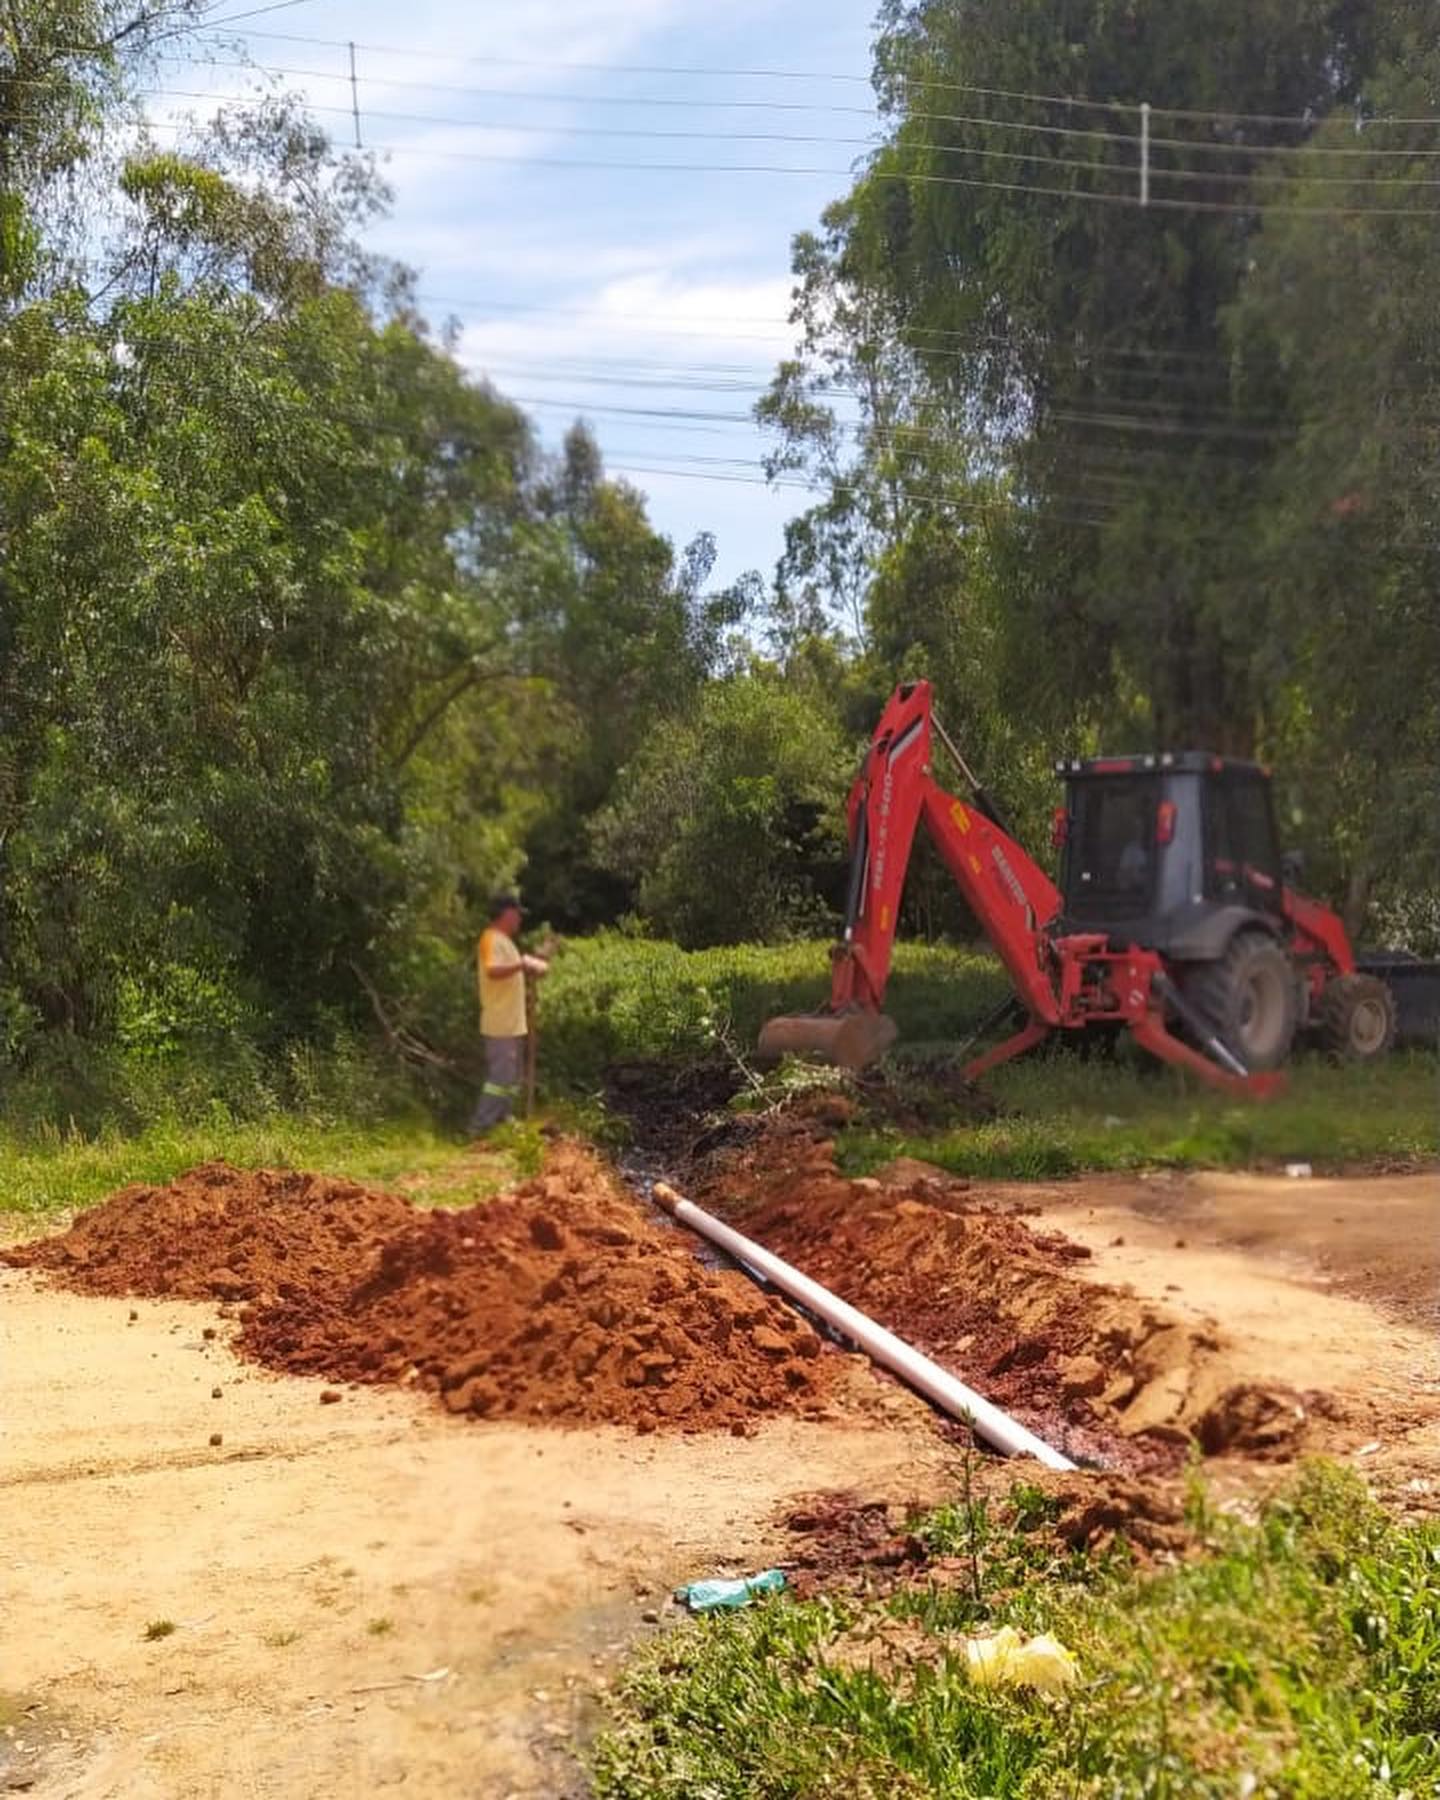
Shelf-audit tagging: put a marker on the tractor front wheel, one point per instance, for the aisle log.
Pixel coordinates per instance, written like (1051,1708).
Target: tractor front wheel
(1248,998)
(1357,1018)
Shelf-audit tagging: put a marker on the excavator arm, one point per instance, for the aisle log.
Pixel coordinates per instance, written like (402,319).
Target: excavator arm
(1011,897)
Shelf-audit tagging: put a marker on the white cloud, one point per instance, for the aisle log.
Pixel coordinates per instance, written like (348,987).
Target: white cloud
(574,30)
(657,313)
(632,298)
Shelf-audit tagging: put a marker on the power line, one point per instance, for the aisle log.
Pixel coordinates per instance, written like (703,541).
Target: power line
(1107,411)
(924,496)
(550,130)
(1139,414)
(192,353)
(254,13)
(782,333)
(691,104)
(1013,505)
(926,84)
(1111,419)
(964,502)
(1056,164)
(784,329)
(687,102)
(609,68)
(593,165)
(903,439)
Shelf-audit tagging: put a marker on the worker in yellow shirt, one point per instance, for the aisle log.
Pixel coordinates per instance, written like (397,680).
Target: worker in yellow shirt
(501,968)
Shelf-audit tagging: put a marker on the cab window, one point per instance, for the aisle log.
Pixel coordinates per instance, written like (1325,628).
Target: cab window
(1242,862)
(1112,846)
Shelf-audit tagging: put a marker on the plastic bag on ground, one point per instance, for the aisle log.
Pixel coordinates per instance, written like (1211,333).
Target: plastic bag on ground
(719,1594)
(1008,1660)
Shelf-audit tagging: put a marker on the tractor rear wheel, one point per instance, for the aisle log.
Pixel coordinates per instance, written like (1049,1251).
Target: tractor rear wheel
(1249,999)
(1357,1018)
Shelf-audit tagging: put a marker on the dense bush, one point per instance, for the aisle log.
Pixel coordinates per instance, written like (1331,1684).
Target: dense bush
(611,997)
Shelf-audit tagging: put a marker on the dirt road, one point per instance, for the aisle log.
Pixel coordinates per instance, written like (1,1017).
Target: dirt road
(1324,1283)
(1374,1237)
(320,1558)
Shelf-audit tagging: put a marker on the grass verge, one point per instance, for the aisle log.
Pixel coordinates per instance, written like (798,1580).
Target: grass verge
(1062,1115)
(612,997)
(46,1172)
(1297,1658)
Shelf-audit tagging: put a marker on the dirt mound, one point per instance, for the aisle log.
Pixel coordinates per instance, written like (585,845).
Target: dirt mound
(218,1233)
(1264,1422)
(1103,1375)
(561,1300)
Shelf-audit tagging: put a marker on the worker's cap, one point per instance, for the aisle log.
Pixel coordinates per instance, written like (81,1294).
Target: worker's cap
(503,903)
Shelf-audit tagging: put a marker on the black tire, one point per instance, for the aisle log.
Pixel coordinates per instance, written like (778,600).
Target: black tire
(1357,1018)
(1248,998)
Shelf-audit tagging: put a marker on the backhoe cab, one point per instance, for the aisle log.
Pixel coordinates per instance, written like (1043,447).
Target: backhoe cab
(1173,918)
(1178,854)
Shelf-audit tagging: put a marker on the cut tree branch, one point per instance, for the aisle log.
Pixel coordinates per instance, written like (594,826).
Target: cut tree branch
(404,1043)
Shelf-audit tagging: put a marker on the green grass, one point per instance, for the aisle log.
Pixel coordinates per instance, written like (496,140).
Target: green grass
(1063,1114)
(1296,1659)
(50,1171)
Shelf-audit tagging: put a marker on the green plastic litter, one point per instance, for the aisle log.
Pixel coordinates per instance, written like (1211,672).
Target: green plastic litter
(713,1596)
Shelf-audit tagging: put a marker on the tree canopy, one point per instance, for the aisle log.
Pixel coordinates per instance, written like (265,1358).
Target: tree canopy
(307,641)
(1156,476)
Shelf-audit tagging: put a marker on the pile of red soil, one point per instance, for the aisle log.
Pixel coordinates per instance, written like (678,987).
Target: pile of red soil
(560,1300)
(218,1233)
(1100,1374)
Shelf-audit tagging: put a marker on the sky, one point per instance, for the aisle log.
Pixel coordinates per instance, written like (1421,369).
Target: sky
(622,295)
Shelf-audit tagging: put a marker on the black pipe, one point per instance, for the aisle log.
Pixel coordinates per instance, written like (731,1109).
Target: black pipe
(858,857)
(1197,1027)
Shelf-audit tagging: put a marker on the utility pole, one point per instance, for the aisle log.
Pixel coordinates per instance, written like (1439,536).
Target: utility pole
(354,97)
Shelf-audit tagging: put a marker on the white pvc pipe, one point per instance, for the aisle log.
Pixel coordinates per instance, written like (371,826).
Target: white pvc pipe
(882,1346)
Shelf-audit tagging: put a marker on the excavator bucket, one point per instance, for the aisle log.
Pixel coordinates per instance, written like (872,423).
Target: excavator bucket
(851,1039)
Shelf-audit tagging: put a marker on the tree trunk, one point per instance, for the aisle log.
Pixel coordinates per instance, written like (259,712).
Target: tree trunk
(1357,897)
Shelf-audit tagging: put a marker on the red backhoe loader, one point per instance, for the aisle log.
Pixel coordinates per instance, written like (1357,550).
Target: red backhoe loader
(1173,919)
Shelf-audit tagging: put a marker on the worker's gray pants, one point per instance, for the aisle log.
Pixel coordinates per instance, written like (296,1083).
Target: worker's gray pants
(504,1064)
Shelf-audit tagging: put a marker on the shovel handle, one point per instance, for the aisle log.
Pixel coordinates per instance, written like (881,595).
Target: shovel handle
(532,1033)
